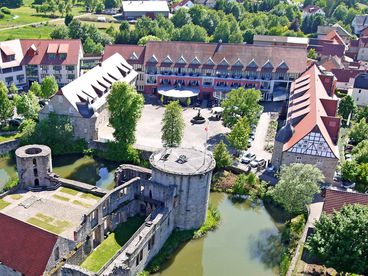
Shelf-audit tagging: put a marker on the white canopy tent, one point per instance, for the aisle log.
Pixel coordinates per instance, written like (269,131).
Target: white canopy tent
(176,92)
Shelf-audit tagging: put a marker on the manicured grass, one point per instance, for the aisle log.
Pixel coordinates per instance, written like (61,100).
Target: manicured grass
(69,191)
(80,203)
(16,197)
(3,204)
(61,197)
(48,223)
(27,32)
(90,196)
(5,138)
(112,244)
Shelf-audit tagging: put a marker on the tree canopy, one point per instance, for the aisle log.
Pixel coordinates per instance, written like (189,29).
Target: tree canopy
(125,106)
(49,87)
(222,156)
(241,103)
(239,135)
(6,106)
(359,131)
(172,130)
(297,185)
(347,106)
(27,105)
(340,240)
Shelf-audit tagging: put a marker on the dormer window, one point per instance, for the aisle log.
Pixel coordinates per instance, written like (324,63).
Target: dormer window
(181,60)
(224,62)
(210,61)
(167,59)
(195,61)
(252,64)
(267,65)
(52,56)
(133,56)
(62,56)
(238,63)
(153,59)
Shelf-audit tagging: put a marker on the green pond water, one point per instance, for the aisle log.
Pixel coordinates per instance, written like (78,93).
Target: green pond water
(86,169)
(247,242)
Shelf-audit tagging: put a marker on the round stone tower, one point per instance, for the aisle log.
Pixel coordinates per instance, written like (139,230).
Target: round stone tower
(190,170)
(33,166)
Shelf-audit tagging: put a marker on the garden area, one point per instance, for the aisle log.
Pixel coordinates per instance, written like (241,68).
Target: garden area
(108,248)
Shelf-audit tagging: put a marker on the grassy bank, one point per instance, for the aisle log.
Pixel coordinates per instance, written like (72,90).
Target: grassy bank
(107,249)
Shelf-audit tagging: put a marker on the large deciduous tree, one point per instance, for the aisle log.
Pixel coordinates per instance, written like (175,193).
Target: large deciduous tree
(222,155)
(340,240)
(241,103)
(6,106)
(347,106)
(49,87)
(27,105)
(239,135)
(359,131)
(125,106)
(297,185)
(173,125)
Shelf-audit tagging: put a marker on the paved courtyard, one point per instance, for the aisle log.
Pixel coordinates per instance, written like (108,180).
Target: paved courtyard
(148,134)
(59,211)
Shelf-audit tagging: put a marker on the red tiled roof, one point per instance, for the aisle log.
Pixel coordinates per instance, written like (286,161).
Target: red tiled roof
(315,114)
(335,37)
(311,9)
(23,247)
(126,51)
(181,4)
(44,46)
(336,199)
(294,57)
(344,75)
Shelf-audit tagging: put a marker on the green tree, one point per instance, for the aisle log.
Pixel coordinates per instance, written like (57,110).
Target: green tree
(48,87)
(100,7)
(13,89)
(349,171)
(360,152)
(236,37)
(297,185)
(222,156)
(339,240)
(181,18)
(143,40)
(359,131)
(222,32)
(27,105)
(239,135)
(109,4)
(6,106)
(90,47)
(172,130)
(36,89)
(241,103)
(60,32)
(347,106)
(312,54)
(125,106)
(68,19)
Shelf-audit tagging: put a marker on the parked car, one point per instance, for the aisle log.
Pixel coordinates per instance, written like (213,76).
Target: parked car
(258,163)
(252,136)
(348,185)
(270,168)
(16,122)
(247,158)
(337,176)
(348,157)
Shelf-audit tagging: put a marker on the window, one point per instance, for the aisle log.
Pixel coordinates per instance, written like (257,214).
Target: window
(298,159)
(20,78)
(52,56)
(70,77)
(70,67)
(7,70)
(63,56)
(51,108)
(17,68)
(57,67)
(9,80)
(60,99)
(70,110)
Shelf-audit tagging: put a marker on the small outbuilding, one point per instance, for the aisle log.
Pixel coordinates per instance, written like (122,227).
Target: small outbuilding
(360,90)
(134,9)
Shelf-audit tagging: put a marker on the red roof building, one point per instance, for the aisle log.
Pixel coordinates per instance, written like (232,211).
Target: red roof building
(311,131)
(336,199)
(23,247)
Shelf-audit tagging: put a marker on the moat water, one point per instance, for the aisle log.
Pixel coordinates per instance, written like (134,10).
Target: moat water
(247,241)
(86,169)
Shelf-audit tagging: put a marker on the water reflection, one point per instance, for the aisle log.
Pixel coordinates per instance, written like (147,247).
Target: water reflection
(7,170)
(246,243)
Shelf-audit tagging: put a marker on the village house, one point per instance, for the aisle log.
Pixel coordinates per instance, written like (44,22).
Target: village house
(24,61)
(186,4)
(312,10)
(211,70)
(84,100)
(311,130)
(360,22)
(324,30)
(132,10)
(360,89)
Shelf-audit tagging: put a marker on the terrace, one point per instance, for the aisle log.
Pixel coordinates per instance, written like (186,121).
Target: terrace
(59,211)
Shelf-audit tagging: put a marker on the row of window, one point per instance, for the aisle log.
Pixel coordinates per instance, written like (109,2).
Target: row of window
(10,80)
(11,69)
(57,67)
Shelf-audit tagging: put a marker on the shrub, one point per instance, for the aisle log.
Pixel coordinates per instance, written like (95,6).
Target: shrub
(5,10)
(120,152)
(212,220)
(1,15)
(11,183)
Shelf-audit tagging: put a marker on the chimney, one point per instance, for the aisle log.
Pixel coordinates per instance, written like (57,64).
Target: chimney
(329,83)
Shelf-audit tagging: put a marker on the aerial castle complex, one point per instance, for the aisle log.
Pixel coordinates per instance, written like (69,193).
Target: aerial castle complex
(173,195)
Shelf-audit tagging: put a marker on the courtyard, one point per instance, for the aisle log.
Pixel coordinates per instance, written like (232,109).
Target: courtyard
(59,211)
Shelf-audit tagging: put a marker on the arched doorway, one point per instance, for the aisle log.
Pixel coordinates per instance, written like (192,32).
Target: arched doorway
(36,182)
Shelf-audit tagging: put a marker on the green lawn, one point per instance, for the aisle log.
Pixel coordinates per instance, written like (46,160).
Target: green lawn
(63,198)
(80,203)
(49,223)
(90,196)
(43,31)
(69,191)
(107,249)
(16,197)
(3,204)
(5,138)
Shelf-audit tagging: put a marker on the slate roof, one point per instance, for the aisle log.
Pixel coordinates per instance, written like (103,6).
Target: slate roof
(361,81)
(312,109)
(344,75)
(24,247)
(294,57)
(71,47)
(336,199)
